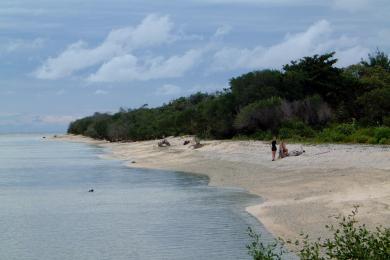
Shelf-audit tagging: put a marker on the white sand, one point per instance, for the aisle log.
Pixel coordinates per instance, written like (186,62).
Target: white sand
(300,193)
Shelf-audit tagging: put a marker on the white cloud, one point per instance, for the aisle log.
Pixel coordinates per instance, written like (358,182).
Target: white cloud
(317,39)
(128,67)
(101,92)
(351,56)
(223,30)
(14,45)
(168,90)
(153,30)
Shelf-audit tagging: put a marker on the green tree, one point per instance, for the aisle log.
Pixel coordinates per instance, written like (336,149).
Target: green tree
(255,86)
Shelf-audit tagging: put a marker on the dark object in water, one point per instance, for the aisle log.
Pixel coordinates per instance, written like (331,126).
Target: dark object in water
(91,190)
(132,161)
(186,142)
(43,137)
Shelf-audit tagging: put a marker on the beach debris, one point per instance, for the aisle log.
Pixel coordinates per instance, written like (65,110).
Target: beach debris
(296,153)
(196,143)
(163,143)
(132,161)
(91,190)
(186,142)
(291,153)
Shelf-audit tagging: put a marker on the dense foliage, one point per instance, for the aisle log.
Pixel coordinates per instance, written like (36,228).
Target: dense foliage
(308,98)
(348,240)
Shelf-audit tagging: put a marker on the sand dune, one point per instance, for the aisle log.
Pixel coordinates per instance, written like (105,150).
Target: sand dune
(300,193)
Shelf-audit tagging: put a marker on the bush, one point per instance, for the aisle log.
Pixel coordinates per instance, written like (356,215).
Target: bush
(346,129)
(348,241)
(295,130)
(382,135)
(260,251)
(312,110)
(330,135)
(361,139)
(264,114)
(262,135)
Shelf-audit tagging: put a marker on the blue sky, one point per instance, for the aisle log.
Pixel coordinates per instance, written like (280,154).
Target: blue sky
(61,60)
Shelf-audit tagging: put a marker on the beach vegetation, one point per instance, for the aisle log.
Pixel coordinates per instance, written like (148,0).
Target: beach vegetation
(310,99)
(348,240)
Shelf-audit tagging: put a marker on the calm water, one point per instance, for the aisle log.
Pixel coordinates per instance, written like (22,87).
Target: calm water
(47,213)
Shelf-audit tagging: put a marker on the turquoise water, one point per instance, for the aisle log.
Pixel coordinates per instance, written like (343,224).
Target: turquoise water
(48,213)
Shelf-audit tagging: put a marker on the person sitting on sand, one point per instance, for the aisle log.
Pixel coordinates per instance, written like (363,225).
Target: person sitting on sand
(273,148)
(196,142)
(283,151)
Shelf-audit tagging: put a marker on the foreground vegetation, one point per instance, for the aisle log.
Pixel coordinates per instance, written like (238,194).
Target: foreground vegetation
(348,241)
(309,99)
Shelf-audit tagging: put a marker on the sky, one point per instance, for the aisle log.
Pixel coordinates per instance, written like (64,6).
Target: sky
(62,60)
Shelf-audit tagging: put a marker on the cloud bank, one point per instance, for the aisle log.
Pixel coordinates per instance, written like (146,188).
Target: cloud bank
(129,67)
(119,57)
(317,39)
(153,30)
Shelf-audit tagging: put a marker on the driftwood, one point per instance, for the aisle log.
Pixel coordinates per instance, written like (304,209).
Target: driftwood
(291,153)
(163,143)
(296,152)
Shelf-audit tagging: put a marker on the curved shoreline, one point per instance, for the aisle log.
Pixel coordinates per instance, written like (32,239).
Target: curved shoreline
(298,193)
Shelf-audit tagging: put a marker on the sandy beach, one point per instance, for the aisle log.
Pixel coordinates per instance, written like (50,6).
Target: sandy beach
(300,193)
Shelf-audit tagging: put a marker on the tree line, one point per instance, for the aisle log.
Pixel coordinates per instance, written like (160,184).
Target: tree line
(309,98)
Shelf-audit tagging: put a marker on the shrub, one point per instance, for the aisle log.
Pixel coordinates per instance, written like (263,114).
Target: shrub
(382,134)
(361,139)
(260,251)
(348,240)
(331,135)
(312,110)
(346,129)
(262,135)
(295,129)
(91,132)
(264,114)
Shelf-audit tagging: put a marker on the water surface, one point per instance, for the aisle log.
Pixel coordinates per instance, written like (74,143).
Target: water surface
(48,213)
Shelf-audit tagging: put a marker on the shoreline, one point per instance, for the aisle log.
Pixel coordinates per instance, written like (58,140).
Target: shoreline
(299,194)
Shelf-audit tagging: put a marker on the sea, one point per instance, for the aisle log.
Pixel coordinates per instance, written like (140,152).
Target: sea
(47,211)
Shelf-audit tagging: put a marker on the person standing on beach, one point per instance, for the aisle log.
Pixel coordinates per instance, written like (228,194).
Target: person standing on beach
(273,148)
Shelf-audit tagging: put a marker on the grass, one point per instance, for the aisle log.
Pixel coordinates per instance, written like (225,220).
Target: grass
(338,133)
